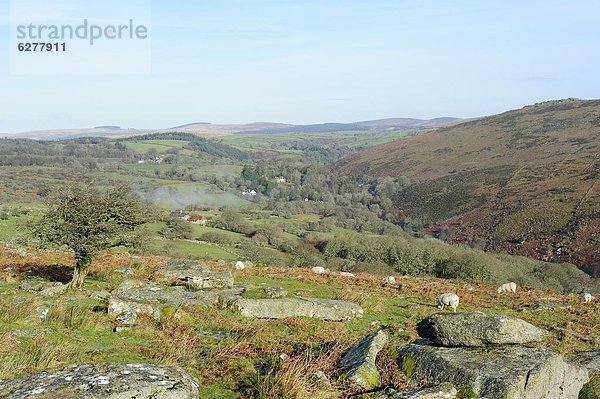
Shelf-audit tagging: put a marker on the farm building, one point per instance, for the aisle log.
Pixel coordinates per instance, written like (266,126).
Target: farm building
(198,219)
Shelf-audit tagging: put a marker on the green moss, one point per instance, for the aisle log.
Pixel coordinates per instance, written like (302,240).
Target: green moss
(591,390)
(408,366)
(371,378)
(465,393)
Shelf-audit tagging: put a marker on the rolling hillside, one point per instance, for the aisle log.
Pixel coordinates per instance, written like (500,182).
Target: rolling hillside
(210,130)
(526,181)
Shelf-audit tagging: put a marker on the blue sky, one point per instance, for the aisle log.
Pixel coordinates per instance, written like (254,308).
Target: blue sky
(309,61)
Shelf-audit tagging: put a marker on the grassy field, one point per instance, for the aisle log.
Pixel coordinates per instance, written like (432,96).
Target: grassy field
(161,146)
(284,143)
(236,357)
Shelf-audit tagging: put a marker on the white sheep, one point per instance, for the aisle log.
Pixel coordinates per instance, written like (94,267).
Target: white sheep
(586,297)
(239,265)
(448,299)
(347,274)
(507,287)
(319,270)
(389,280)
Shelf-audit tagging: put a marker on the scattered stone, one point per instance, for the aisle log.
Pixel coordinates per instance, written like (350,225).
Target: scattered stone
(283,357)
(145,297)
(44,287)
(276,292)
(375,323)
(324,309)
(127,319)
(507,372)
(319,270)
(104,381)
(347,274)
(548,306)
(471,289)
(193,274)
(390,280)
(30,333)
(42,312)
(359,362)
(218,335)
(477,329)
(124,270)
(442,391)
(100,295)
(322,378)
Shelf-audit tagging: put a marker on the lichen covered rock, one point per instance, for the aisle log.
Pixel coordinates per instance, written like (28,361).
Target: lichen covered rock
(477,329)
(359,362)
(104,381)
(324,309)
(192,274)
(504,372)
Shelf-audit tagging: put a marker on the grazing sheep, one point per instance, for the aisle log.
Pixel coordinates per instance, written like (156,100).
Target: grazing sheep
(239,265)
(318,269)
(586,297)
(448,299)
(347,274)
(389,280)
(507,287)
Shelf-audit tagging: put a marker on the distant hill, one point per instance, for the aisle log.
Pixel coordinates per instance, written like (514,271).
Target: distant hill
(390,123)
(526,181)
(206,129)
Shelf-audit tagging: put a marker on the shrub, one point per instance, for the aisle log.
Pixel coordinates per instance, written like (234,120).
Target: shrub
(217,238)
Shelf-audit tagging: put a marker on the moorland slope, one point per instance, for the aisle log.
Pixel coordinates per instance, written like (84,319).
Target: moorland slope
(525,180)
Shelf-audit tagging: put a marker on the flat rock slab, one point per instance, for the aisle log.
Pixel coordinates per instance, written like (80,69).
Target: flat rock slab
(324,309)
(359,361)
(146,297)
(506,372)
(192,274)
(477,329)
(104,381)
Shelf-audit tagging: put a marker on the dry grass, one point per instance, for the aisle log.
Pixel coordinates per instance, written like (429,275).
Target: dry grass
(294,378)
(246,362)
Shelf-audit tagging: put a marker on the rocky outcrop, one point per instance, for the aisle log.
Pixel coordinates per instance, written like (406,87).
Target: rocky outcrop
(324,309)
(104,381)
(192,274)
(43,287)
(359,362)
(145,297)
(591,361)
(477,329)
(442,391)
(503,372)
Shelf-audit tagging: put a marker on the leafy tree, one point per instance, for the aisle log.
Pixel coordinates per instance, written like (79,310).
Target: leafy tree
(177,229)
(89,220)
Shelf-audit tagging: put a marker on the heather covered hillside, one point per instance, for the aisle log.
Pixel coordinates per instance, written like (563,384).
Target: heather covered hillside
(525,181)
